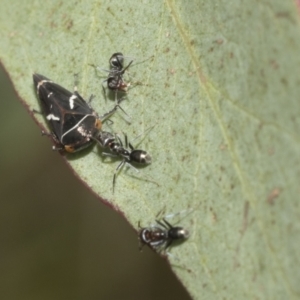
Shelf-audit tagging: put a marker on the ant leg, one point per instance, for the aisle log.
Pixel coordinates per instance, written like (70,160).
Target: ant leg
(167,223)
(163,224)
(103,89)
(98,68)
(126,141)
(184,212)
(161,213)
(117,105)
(119,140)
(141,134)
(124,69)
(90,99)
(115,173)
(109,154)
(131,166)
(111,112)
(139,225)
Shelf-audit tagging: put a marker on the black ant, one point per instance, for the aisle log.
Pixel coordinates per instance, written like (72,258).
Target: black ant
(159,237)
(115,81)
(128,153)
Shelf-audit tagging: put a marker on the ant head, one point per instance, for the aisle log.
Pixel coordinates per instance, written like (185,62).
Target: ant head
(116,60)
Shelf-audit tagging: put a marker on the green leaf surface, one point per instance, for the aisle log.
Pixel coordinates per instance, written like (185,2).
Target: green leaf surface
(222,90)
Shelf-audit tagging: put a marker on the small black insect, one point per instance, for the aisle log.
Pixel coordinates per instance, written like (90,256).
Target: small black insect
(115,81)
(160,237)
(73,121)
(128,153)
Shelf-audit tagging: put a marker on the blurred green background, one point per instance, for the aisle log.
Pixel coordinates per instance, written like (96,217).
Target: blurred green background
(57,241)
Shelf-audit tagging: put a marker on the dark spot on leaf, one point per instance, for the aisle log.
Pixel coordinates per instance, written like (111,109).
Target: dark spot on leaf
(53,25)
(214,215)
(70,24)
(274,64)
(283,14)
(284,81)
(273,195)
(219,41)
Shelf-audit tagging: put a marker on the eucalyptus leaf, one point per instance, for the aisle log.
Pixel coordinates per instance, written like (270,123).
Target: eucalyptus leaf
(221,88)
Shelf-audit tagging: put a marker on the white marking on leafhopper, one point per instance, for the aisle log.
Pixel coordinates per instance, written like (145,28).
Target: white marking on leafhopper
(52,117)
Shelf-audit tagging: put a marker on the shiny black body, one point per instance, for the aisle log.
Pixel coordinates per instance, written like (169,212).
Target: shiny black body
(73,121)
(161,236)
(115,80)
(128,153)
